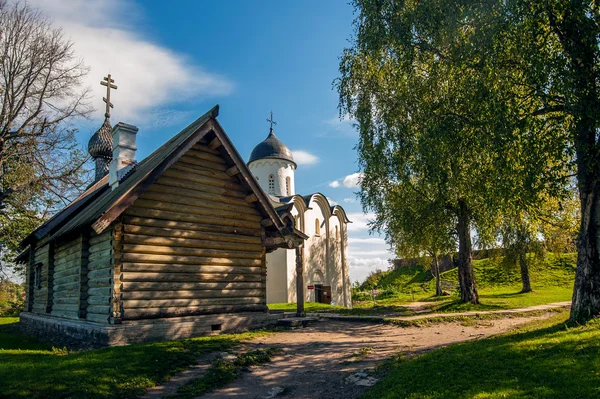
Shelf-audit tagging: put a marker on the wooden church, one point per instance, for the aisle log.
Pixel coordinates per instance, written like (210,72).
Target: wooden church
(169,247)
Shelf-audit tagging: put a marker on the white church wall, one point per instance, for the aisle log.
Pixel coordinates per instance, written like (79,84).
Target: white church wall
(282,173)
(335,263)
(315,252)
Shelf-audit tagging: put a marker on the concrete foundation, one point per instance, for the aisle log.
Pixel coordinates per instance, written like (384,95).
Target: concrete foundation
(87,334)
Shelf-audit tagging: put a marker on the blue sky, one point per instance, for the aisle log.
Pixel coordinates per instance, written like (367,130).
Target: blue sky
(173,63)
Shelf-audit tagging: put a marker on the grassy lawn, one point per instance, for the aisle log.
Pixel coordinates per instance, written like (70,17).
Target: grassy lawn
(545,359)
(33,370)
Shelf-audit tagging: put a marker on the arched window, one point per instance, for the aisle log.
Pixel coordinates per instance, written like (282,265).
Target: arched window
(317,227)
(336,233)
(271,185)
(287,185)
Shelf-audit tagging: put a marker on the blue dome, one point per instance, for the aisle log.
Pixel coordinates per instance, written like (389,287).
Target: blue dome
(271,147)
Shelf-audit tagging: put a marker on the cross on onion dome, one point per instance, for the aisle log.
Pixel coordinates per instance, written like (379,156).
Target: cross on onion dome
(108,82)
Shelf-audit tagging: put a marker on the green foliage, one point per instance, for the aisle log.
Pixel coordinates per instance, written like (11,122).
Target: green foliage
(12,298)
(545,359)
(33,370)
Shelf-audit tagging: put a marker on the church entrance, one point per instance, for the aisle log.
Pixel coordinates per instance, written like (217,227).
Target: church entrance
(322,293)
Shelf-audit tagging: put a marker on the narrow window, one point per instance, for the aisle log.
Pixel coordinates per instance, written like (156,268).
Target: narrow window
(271,185)
(336,233)
(317,227)
(287,185)
(37,277)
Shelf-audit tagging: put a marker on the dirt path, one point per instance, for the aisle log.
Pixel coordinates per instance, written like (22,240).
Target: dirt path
(328,359)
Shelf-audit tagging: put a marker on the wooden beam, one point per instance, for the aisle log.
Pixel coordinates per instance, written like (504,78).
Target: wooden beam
(266,222)
(251,198)
(299,282)
(232,171)
(214,144)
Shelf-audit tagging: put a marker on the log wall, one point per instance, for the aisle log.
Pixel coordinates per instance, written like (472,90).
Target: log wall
(100,277)
(40,293)
(66,278)
(192,244)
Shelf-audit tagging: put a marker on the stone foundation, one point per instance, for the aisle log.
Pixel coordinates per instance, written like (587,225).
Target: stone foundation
(73,333)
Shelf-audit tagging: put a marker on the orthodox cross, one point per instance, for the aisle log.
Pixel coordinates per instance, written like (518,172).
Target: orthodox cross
(108,82)
(270,120)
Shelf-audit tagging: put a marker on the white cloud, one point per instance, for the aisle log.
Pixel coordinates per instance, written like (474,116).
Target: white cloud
(366,254)
(150,78)
(304,158)
(332,202)
(368,240)
(359,221)
(347,200)
(353,180)
(336,127)
(334,184)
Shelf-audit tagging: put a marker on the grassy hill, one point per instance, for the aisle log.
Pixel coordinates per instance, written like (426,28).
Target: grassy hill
(499,286)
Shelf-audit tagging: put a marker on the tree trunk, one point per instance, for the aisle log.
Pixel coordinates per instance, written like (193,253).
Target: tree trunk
(586,293)
(524,272)
(436,273)
(466,278)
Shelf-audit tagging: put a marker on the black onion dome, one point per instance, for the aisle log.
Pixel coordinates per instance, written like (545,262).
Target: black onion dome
(100,144)
(272,148)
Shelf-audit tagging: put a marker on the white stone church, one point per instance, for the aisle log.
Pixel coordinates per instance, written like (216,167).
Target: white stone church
(326,277)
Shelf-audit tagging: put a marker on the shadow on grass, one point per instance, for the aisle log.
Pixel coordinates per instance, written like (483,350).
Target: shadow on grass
(458,306)
(553,361)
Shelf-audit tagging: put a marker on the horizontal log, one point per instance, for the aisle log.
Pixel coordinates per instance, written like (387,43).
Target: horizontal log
(170,268)
(147,211)
(251,198)
(62,293)
(191,235)
(132,257)
(73,300)
(153,313)
(99,309)
(203,146)
(228,184)
(232,171)
(67,279)
(191,243)
(174,203)
(64,307)
(204,163)
(100,273)
(60,259)
(171,303)
(103,291)
(67,272)
(101,246)
(100,282)
(198,198)
(191,294)
(189,277)
(200,188)
(195,227)
(195,190)
(72,248)
(100,264)
(66,314)
(99,300)
(106,254)
(73,286)
(100,238)
(168,286)
(205,155)
(214,144)
(201,170)
(97,318)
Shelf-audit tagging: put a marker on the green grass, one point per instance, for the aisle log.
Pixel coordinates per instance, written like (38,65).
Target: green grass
(308,307)
(545,359)
(29,369)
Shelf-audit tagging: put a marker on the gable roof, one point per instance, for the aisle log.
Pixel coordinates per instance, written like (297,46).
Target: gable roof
(100,205)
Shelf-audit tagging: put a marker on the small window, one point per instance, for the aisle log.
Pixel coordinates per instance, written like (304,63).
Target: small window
(317,227)
(37,276)
(271,185)
(287,185)
(336,233)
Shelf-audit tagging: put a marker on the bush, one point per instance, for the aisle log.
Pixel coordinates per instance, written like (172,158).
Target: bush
(12,299)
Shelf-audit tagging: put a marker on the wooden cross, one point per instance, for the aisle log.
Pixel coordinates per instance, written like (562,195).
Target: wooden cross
(271,120)
(109,85)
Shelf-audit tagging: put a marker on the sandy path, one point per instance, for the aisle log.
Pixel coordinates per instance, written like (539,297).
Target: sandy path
(320,361)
